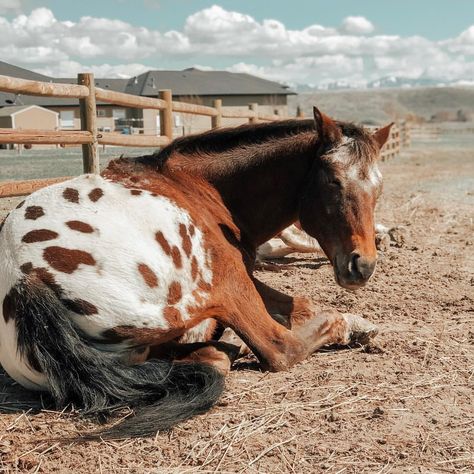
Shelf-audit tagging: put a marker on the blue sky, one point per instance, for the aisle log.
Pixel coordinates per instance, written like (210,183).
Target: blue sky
(299,41)
(433,19)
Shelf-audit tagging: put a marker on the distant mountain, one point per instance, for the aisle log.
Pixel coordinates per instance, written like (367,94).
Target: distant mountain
(381,104)
(387,82)
(402,82)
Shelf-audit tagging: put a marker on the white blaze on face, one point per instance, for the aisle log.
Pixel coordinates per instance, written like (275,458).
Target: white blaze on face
(354,173)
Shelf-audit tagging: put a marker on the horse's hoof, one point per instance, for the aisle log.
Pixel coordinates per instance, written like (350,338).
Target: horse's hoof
(360,331)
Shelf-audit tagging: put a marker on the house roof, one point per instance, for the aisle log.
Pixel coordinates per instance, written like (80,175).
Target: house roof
(16,109)
(196,82)
(188,82)
(7,69)
(8,99)
(117,85)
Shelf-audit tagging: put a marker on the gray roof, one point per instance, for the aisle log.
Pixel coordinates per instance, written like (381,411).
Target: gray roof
(16,71)
(117,85)
(188,82)
(196,82)
(7,99)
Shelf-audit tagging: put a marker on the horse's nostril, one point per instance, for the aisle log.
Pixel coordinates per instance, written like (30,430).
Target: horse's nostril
(353,265)
(361,267)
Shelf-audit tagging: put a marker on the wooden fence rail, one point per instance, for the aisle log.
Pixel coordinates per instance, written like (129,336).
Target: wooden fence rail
(89,137)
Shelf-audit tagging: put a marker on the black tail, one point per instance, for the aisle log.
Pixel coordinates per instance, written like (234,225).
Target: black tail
(161,393)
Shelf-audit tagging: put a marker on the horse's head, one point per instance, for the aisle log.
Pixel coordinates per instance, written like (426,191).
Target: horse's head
(337,206)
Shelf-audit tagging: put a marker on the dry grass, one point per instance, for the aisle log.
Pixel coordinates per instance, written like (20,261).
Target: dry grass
(404,404)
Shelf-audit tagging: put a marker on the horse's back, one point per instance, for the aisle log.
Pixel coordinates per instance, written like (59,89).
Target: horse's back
(114,257)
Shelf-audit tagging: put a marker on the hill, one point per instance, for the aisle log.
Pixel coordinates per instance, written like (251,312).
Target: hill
(380,105)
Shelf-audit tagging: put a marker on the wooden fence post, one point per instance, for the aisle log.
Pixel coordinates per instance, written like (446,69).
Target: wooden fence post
(166,115)
(254,107)
(299,112)
(216,121)
(90,152)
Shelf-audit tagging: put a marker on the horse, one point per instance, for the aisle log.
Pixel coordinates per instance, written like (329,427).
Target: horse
(115,287)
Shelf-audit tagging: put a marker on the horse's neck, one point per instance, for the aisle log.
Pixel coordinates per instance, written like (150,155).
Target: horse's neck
(263,196)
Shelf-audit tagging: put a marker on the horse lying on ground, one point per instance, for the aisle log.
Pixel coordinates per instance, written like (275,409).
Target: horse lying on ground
(114,287)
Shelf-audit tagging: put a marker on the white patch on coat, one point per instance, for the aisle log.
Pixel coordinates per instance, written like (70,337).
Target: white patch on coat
(342,154)
(124,236)
(197,333)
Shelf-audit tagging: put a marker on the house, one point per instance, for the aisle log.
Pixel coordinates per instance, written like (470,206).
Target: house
(67,108)
(28,117)
(192,85)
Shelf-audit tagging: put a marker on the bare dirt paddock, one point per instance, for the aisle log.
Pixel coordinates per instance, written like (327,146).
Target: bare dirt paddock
(405,404)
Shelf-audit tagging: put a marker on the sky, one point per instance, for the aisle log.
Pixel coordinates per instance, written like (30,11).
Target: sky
(312,42)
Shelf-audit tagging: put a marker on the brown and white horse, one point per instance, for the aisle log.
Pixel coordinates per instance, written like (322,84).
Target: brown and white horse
(114,287)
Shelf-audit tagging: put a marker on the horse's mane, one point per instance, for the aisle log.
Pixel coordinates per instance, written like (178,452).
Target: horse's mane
(251,140)
(225,139)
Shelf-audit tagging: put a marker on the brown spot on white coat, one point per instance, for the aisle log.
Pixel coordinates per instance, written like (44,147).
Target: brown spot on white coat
(95,194)
(34,212)
(39,235)
(71,195)
(161,239)
(148,275)
(175,293)
(79,306)
(80,226)
(176,256)
(67,260)
(186,240)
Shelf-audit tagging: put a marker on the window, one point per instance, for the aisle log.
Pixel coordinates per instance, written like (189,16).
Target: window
(101,113)
(118,114)
(66,118)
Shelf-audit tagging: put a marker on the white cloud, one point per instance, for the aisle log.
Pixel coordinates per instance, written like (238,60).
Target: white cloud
(357,25)
(70,69)
(9,6)
(316,54)
(463,44)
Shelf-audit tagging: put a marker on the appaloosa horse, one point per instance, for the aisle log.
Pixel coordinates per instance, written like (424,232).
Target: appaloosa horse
(113,286)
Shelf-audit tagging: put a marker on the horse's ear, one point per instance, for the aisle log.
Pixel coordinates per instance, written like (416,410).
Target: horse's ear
(382,134)
(326,128)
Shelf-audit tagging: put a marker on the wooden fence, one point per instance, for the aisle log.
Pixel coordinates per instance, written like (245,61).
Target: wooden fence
(90,138)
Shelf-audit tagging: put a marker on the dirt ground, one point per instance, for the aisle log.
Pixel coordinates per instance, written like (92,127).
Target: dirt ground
(403,405)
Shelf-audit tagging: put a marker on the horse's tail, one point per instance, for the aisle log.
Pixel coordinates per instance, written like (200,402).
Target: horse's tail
(161,393)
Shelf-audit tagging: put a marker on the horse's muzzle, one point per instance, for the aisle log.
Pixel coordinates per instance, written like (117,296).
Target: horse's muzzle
(354,270)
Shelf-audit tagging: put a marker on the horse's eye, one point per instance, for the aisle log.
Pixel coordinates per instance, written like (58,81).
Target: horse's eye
(336,183)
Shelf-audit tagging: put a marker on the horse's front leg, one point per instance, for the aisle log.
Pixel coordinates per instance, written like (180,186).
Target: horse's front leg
(335,328)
